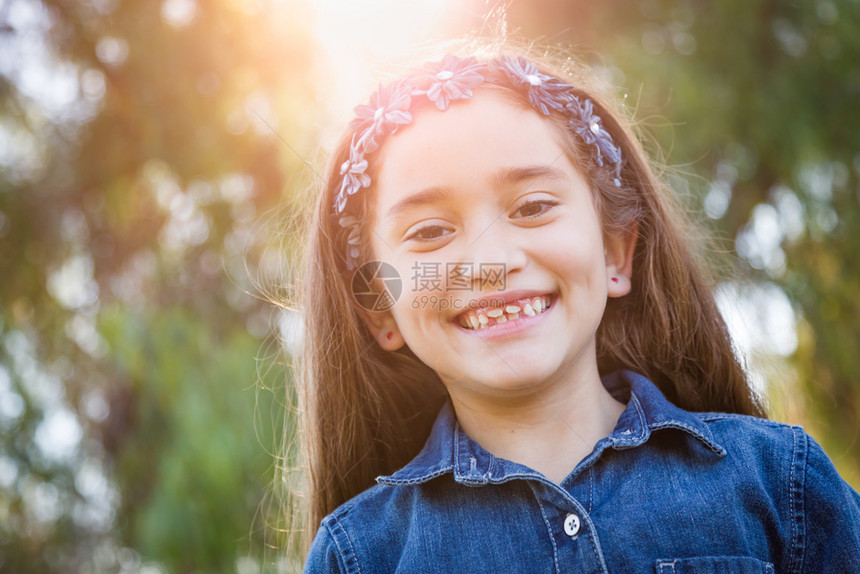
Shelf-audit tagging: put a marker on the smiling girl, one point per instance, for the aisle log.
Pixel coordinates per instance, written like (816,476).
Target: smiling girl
(554,389)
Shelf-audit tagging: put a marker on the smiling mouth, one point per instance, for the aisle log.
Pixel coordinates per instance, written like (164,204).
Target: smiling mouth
(485,318)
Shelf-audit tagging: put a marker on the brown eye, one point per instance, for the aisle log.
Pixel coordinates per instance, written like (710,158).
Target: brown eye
(428,233)
(534,208)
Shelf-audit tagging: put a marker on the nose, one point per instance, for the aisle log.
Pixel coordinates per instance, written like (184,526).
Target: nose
(489,256)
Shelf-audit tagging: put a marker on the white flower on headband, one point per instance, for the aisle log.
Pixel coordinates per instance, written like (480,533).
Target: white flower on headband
(450,79)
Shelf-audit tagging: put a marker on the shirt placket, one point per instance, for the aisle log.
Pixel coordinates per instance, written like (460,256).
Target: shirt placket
(576,545)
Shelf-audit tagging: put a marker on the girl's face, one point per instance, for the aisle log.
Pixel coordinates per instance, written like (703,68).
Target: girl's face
(479,205)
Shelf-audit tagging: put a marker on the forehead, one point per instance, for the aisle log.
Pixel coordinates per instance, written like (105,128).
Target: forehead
(472,139)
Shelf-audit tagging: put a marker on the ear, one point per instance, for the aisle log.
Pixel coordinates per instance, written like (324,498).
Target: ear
(384,329)
(619,251)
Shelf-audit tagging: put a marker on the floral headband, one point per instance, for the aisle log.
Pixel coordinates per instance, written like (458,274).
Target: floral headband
(443,82)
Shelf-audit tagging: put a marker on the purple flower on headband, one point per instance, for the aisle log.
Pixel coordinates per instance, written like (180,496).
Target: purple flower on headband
(388,108)
(354,177)
(544,91)
(451,79)
(446,81)
(589,128)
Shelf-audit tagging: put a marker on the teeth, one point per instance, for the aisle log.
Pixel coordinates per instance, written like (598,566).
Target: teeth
(480,318)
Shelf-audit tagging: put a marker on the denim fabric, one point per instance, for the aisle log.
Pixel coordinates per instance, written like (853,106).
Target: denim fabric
(669,491)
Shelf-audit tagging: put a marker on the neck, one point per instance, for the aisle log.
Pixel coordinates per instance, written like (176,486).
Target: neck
(550,431)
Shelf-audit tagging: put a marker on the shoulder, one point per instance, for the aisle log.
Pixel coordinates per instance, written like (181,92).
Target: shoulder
(756,458)
(367,525)
(749,434)
(785,457)
(782,453)
(333,548)
(370,529)
(753,437)
(817,503)
(379,503)
(373,506)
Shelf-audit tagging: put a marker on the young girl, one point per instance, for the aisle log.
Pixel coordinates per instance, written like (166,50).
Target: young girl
(513,363)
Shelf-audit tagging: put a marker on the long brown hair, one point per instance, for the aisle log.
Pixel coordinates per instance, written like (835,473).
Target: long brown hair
(366,411)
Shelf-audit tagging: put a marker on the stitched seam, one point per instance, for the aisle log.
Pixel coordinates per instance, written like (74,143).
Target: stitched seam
(594,543)
(344,555)
(579,509)
(791,512)
(629,442)
(590,489)
(514,476)
(548,528)
(711,444)
(712,417)
(456,448)
(417,480)
(797,491)
(641,414)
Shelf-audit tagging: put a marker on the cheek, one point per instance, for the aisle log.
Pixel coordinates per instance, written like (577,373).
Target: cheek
(577,258)
(421,294)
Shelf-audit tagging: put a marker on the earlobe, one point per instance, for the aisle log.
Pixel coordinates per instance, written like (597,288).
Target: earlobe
(384,329)
(390,339)
(619,261)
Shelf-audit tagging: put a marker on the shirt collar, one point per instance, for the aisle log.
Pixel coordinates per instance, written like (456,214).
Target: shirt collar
(449,449)
(648,410)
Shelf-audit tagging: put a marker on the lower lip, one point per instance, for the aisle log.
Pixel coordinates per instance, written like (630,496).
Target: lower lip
(511,326)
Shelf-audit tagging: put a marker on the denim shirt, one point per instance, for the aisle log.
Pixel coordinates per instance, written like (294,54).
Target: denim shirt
(668,491)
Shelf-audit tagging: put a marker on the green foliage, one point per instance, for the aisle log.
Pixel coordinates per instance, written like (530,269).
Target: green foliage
(198,474)
(132,429)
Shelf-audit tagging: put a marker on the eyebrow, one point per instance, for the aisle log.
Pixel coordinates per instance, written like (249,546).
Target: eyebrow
(504,177)
(423,197)
(512,175)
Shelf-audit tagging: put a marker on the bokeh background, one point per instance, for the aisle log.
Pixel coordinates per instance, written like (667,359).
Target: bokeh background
(150,152)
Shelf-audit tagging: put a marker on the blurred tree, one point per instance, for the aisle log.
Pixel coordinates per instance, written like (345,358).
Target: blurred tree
(758,104)
(137,153)
(187,492)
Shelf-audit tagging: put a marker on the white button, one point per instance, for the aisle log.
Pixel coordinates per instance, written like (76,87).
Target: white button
(571,525)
